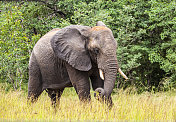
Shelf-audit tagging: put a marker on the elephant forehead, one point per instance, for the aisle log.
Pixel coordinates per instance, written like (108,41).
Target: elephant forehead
(98,28)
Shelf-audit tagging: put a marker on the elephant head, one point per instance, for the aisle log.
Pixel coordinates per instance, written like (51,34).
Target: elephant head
(83,46)
(102,48)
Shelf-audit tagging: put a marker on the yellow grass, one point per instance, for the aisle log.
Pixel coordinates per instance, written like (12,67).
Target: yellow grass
(160,106)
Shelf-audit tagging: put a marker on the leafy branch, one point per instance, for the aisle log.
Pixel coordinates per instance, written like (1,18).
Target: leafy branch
(53,7)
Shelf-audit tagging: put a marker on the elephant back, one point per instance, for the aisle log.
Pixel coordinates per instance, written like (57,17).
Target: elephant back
(43,50)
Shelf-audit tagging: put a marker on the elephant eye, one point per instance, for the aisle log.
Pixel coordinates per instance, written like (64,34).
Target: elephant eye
(96,51)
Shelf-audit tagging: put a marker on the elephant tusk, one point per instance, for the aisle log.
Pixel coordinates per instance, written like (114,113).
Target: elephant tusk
(101,74)
(120,71)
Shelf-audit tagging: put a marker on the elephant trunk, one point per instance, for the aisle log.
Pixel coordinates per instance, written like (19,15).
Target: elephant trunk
(110,76)
(108,73)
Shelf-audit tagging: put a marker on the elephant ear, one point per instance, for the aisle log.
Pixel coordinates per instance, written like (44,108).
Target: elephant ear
(69,45)
(100,23)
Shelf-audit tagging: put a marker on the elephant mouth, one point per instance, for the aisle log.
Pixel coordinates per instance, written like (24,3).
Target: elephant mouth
(100,91)
(119,70)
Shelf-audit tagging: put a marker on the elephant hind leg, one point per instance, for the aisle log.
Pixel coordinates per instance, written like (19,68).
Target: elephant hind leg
(52,95)
(33,97)
(35,80)
(55,96)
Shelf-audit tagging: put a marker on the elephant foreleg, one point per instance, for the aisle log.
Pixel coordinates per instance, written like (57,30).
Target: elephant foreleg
(80,81)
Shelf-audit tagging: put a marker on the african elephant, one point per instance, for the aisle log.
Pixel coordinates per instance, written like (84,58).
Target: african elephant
(69,57)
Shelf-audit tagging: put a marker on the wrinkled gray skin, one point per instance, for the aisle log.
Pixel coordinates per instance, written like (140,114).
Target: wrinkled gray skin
(69,57)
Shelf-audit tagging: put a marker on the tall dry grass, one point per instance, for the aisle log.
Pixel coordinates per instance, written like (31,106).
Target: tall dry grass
(147,106)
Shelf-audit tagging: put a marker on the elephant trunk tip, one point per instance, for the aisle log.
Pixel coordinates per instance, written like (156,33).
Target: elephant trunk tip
(100,92)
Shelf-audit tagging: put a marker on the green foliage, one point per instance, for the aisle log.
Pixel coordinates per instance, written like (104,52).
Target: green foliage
(163,26)
(146,38)
(15,47)
(145,32)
